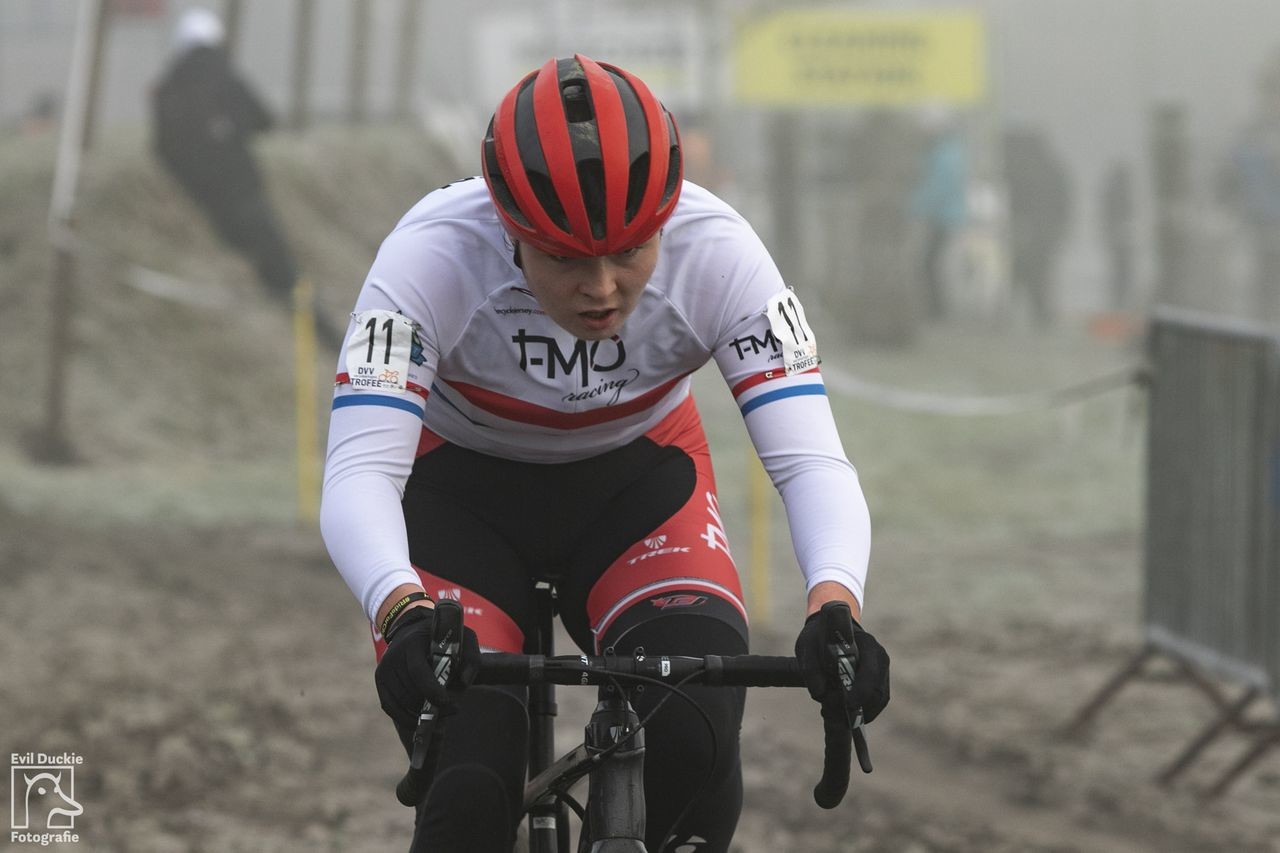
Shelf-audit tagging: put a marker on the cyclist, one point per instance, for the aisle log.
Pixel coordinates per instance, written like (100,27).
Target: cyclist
(513,403)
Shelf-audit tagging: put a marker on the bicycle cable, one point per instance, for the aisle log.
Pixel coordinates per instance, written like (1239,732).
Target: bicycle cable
(672,689)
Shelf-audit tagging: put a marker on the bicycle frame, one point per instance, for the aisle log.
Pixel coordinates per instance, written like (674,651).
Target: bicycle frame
(615,793)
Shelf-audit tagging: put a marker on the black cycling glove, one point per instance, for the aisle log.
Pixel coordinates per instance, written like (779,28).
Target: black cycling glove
(406,677)
(870,689)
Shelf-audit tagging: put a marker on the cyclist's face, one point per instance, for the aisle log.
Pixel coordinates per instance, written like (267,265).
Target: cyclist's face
(589,297)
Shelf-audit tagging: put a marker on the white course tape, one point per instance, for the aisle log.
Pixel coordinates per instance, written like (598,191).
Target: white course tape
(844,384)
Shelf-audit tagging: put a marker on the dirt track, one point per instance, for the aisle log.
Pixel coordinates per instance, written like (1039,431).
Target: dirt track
(218,687)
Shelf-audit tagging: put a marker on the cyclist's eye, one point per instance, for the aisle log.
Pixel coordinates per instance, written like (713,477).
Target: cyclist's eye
(629,253)
(560,259)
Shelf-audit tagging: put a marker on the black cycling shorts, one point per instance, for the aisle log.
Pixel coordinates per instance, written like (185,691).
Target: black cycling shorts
(627,537)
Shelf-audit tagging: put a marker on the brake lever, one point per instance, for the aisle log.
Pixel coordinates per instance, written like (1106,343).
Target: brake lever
(446,643)
(845,653)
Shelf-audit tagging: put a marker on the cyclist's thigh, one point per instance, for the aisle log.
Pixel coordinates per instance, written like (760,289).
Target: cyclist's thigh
(677,562)
(460,549)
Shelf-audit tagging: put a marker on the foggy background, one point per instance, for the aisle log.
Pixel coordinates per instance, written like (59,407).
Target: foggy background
(1085,73)
(161,436)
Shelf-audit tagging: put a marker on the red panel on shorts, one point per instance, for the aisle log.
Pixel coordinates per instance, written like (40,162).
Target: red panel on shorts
(495,630)
(688,551)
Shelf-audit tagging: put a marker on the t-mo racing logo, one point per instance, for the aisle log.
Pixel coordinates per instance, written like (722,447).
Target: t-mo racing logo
(597,356)
(42,802)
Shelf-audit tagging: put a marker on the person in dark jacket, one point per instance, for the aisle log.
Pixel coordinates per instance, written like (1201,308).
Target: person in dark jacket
(205,118)
(1040,203)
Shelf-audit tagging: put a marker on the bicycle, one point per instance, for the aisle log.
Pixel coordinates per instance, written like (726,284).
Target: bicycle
(611,755)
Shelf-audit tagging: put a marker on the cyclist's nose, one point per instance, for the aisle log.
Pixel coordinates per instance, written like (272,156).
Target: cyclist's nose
(598,279)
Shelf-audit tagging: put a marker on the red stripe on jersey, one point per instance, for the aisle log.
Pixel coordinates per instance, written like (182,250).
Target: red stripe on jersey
(682,427)
(345,378)
(514,409)
(755,379)
(427,442)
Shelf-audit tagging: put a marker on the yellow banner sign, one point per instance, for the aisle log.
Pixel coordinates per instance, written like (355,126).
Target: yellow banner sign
(846,57)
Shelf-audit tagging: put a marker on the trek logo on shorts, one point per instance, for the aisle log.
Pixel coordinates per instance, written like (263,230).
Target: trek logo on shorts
(656,546)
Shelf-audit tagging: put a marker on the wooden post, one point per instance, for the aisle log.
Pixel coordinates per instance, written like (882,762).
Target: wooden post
(784,189)
(1171,183)
(231,18)
(303,35)
(406,59)
(358,61)
(305,429)
(761,556)
(50,442)
(94,83)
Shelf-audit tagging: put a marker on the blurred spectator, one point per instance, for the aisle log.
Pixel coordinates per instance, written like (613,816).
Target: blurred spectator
(205,117)
(1253,190)
(1119,233)
(1039,211)
(41,117)
(940,201)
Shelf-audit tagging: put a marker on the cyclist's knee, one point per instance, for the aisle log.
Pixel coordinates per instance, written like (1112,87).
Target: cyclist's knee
(679,734)
(468,809)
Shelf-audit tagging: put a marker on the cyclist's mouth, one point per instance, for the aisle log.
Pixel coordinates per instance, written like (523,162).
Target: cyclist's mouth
(598,319)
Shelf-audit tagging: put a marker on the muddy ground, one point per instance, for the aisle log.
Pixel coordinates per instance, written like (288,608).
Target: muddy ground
(167,617)
(217,684)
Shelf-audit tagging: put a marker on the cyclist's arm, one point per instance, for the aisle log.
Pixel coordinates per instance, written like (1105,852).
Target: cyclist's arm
(826,591)
(374,431)
(794,433)
(373,438)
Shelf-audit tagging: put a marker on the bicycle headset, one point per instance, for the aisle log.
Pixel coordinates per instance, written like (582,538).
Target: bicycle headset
(581,159)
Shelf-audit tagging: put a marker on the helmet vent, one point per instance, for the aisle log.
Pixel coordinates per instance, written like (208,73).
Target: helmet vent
(577,103)
(591,180)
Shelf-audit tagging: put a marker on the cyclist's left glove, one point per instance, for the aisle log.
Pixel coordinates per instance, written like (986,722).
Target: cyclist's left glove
(870,689)
(405,676)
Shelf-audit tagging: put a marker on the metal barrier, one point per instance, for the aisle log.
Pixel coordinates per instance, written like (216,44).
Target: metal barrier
(1212,552)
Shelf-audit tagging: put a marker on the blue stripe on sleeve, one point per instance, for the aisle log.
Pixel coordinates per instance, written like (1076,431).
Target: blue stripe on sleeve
(377,400)
(793,391)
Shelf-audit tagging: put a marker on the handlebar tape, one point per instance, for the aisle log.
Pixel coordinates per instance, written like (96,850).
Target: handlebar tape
(836,755)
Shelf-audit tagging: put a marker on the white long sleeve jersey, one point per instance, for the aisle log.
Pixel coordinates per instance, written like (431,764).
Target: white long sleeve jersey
(446,335)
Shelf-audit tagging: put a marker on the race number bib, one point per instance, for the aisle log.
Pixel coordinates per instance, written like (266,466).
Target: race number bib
(379,350)
(791,331)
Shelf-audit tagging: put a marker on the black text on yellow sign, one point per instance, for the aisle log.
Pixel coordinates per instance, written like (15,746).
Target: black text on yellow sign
(860,57)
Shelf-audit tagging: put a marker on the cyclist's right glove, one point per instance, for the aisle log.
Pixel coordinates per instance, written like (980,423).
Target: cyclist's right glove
(405,676)
(870,690)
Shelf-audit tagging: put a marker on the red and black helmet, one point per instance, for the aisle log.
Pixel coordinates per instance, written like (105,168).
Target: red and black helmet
(582,160)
